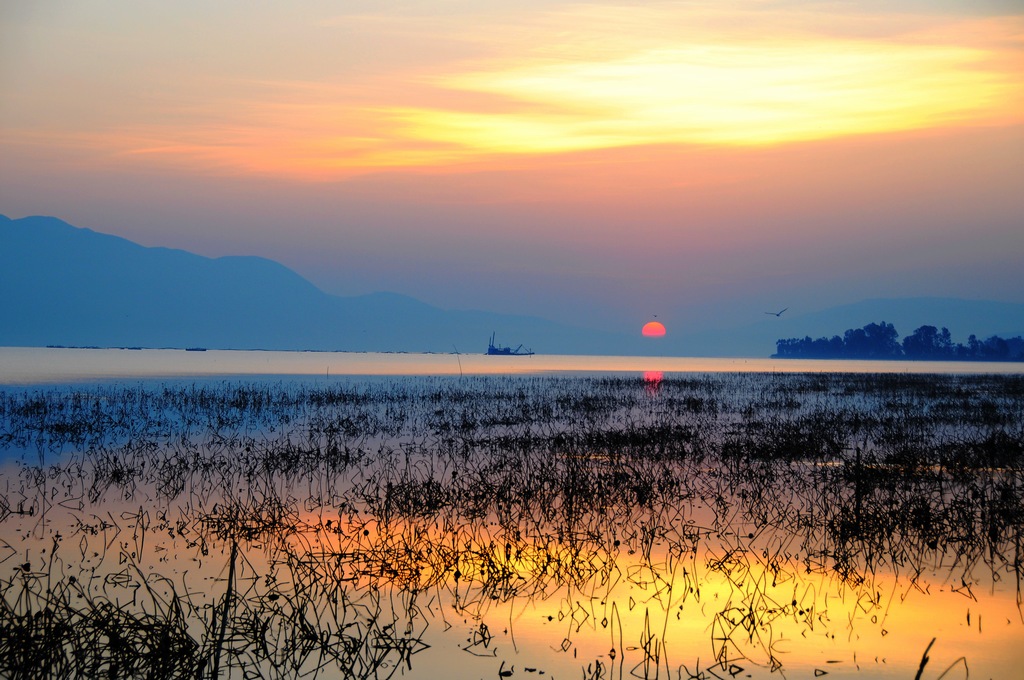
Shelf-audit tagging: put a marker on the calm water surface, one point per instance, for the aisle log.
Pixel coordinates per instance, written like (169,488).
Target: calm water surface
(491,517)
(31,365)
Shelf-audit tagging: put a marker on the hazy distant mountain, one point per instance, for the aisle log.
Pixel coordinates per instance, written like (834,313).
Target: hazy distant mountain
(63,285)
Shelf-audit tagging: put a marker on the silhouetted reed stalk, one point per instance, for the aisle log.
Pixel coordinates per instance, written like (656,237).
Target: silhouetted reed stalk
(339,510)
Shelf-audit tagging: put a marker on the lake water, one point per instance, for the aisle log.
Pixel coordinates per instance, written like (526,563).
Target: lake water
(53,365)
(379,516)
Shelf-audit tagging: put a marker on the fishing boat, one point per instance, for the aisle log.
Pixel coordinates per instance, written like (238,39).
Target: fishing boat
(498,350)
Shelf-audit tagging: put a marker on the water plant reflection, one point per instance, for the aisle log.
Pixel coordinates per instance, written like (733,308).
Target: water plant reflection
(754,522)
(652,380)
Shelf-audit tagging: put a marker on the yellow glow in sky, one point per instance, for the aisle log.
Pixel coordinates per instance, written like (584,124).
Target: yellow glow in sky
(740,94)
(326,96)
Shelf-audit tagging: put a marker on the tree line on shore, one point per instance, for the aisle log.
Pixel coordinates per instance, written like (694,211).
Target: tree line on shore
(881,341)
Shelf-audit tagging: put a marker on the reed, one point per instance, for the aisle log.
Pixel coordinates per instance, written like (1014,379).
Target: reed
(283,528)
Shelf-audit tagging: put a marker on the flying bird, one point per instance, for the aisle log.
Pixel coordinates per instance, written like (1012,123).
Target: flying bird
(777,313)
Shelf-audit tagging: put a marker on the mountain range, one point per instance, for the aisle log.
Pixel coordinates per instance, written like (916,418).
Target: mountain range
(70,286)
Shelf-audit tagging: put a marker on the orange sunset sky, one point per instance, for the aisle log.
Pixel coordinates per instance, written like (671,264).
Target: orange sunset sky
(594,163)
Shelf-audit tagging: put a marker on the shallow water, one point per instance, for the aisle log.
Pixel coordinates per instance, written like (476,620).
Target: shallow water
(713,525)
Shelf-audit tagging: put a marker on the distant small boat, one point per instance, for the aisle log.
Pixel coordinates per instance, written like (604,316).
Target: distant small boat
(195,349)
(498,350)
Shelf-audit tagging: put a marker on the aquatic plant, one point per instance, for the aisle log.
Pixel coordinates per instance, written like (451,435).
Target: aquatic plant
(292,527)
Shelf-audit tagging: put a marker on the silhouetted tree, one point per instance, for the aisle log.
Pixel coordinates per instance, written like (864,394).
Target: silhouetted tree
(972,350)
(874,341)
(879,341)
(882,341)
(995,349)
(928,342)
(805,348)
(1016,347)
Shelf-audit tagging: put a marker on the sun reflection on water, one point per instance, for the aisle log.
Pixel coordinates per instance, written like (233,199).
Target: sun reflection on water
(564,525)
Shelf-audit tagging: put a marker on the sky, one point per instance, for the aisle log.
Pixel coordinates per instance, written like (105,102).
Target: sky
(593,163)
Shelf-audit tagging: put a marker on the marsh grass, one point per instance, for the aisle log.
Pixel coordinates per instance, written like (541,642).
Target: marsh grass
(292,528)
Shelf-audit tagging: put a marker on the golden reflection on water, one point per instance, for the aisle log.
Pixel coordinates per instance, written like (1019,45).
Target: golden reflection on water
(638,609)
(46,365)
(643,608)
(731,565)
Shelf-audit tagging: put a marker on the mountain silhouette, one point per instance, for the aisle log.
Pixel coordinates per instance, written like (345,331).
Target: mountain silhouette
(64,285)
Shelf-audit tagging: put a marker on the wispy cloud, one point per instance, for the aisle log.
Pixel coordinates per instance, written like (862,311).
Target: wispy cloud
(569,79)
(744,94)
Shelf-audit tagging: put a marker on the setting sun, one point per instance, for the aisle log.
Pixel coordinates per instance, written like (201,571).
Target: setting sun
(653,329)
(356,283)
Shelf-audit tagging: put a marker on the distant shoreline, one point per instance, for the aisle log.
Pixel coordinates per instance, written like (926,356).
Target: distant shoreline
(878,342)
(229,349)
